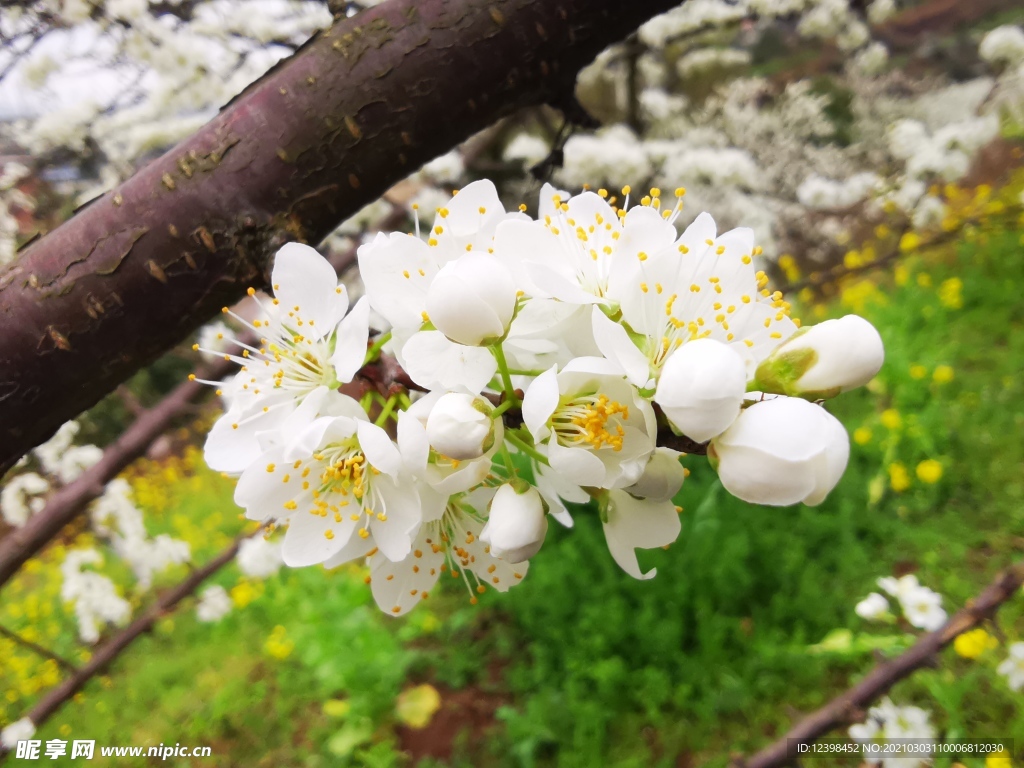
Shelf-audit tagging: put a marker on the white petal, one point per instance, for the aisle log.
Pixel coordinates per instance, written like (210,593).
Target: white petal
(412,442)
(402,507)
(384,265)
(615,344)
(635,523)
(378,448)
(306,542)
(350,348)
(577,465)
(305,279)
(434,362)
(231,449)
(398,587)
(540,402)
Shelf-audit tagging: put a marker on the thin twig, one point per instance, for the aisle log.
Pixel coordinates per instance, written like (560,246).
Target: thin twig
(38,649)
(884,676)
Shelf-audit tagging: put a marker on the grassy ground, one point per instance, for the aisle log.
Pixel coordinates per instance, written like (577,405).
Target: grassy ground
(581,665)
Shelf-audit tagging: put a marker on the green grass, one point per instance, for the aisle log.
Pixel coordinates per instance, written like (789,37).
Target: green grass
(593,668)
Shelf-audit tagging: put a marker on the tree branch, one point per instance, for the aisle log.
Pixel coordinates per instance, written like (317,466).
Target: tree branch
(838,711)
(37,649)
(356,109)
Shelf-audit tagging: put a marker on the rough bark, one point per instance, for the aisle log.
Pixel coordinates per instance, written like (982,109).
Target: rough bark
(359,107)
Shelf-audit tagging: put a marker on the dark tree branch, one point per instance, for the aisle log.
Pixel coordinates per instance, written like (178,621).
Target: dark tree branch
(838,712)
(357,108)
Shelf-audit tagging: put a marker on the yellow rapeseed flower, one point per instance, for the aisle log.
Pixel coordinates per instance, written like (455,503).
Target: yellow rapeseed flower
(918,371)
(972,644)
(942,374)
(929,471)
(924,279)
(899,479)
(862,435)
(1000,759)
(910,241)
(951,293)
(891,419)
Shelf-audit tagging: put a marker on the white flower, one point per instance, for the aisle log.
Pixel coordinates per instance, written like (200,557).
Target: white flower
(527,149)
(920,605)
(577,250)
(701,388)
(701,286)
(873,607)
(881,11)
(259,557)
(1013,667)
(471,300)
(595,427)
(115,516)
(1003,45)
(20,499)
(922,608)
(451,543)
(662,478)
(460,426)
(398,271)
(886,723)
(823,360)
(307,342)
(20,730)
(781,452)
(94,596)
(630,523)
(338,480)
(516,524)
(214,604)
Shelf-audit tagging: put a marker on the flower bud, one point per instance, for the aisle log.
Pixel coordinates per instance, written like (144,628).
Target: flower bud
(781,452)
(472,299)
(460,426)
(517,524)
(823,360)
(662,478)
(701,388)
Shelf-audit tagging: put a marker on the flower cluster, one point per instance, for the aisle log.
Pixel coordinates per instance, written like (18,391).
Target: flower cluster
(921,606)
(542,359)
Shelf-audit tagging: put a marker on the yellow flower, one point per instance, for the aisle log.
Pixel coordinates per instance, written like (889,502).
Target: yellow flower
(924,279)
(972,644)
(951,293)
(910,242)
(278,645)
(929,471)
(891,419)
(918,371)
(862,435)
(901,275)
(899,479)
(942,374)
(1000,759)
(244,592)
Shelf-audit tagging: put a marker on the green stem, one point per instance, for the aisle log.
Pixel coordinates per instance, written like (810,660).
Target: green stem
(496,413)
(374,351)
(517,372)
(522,447)
(506,377)
(508,459)
(385,413)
